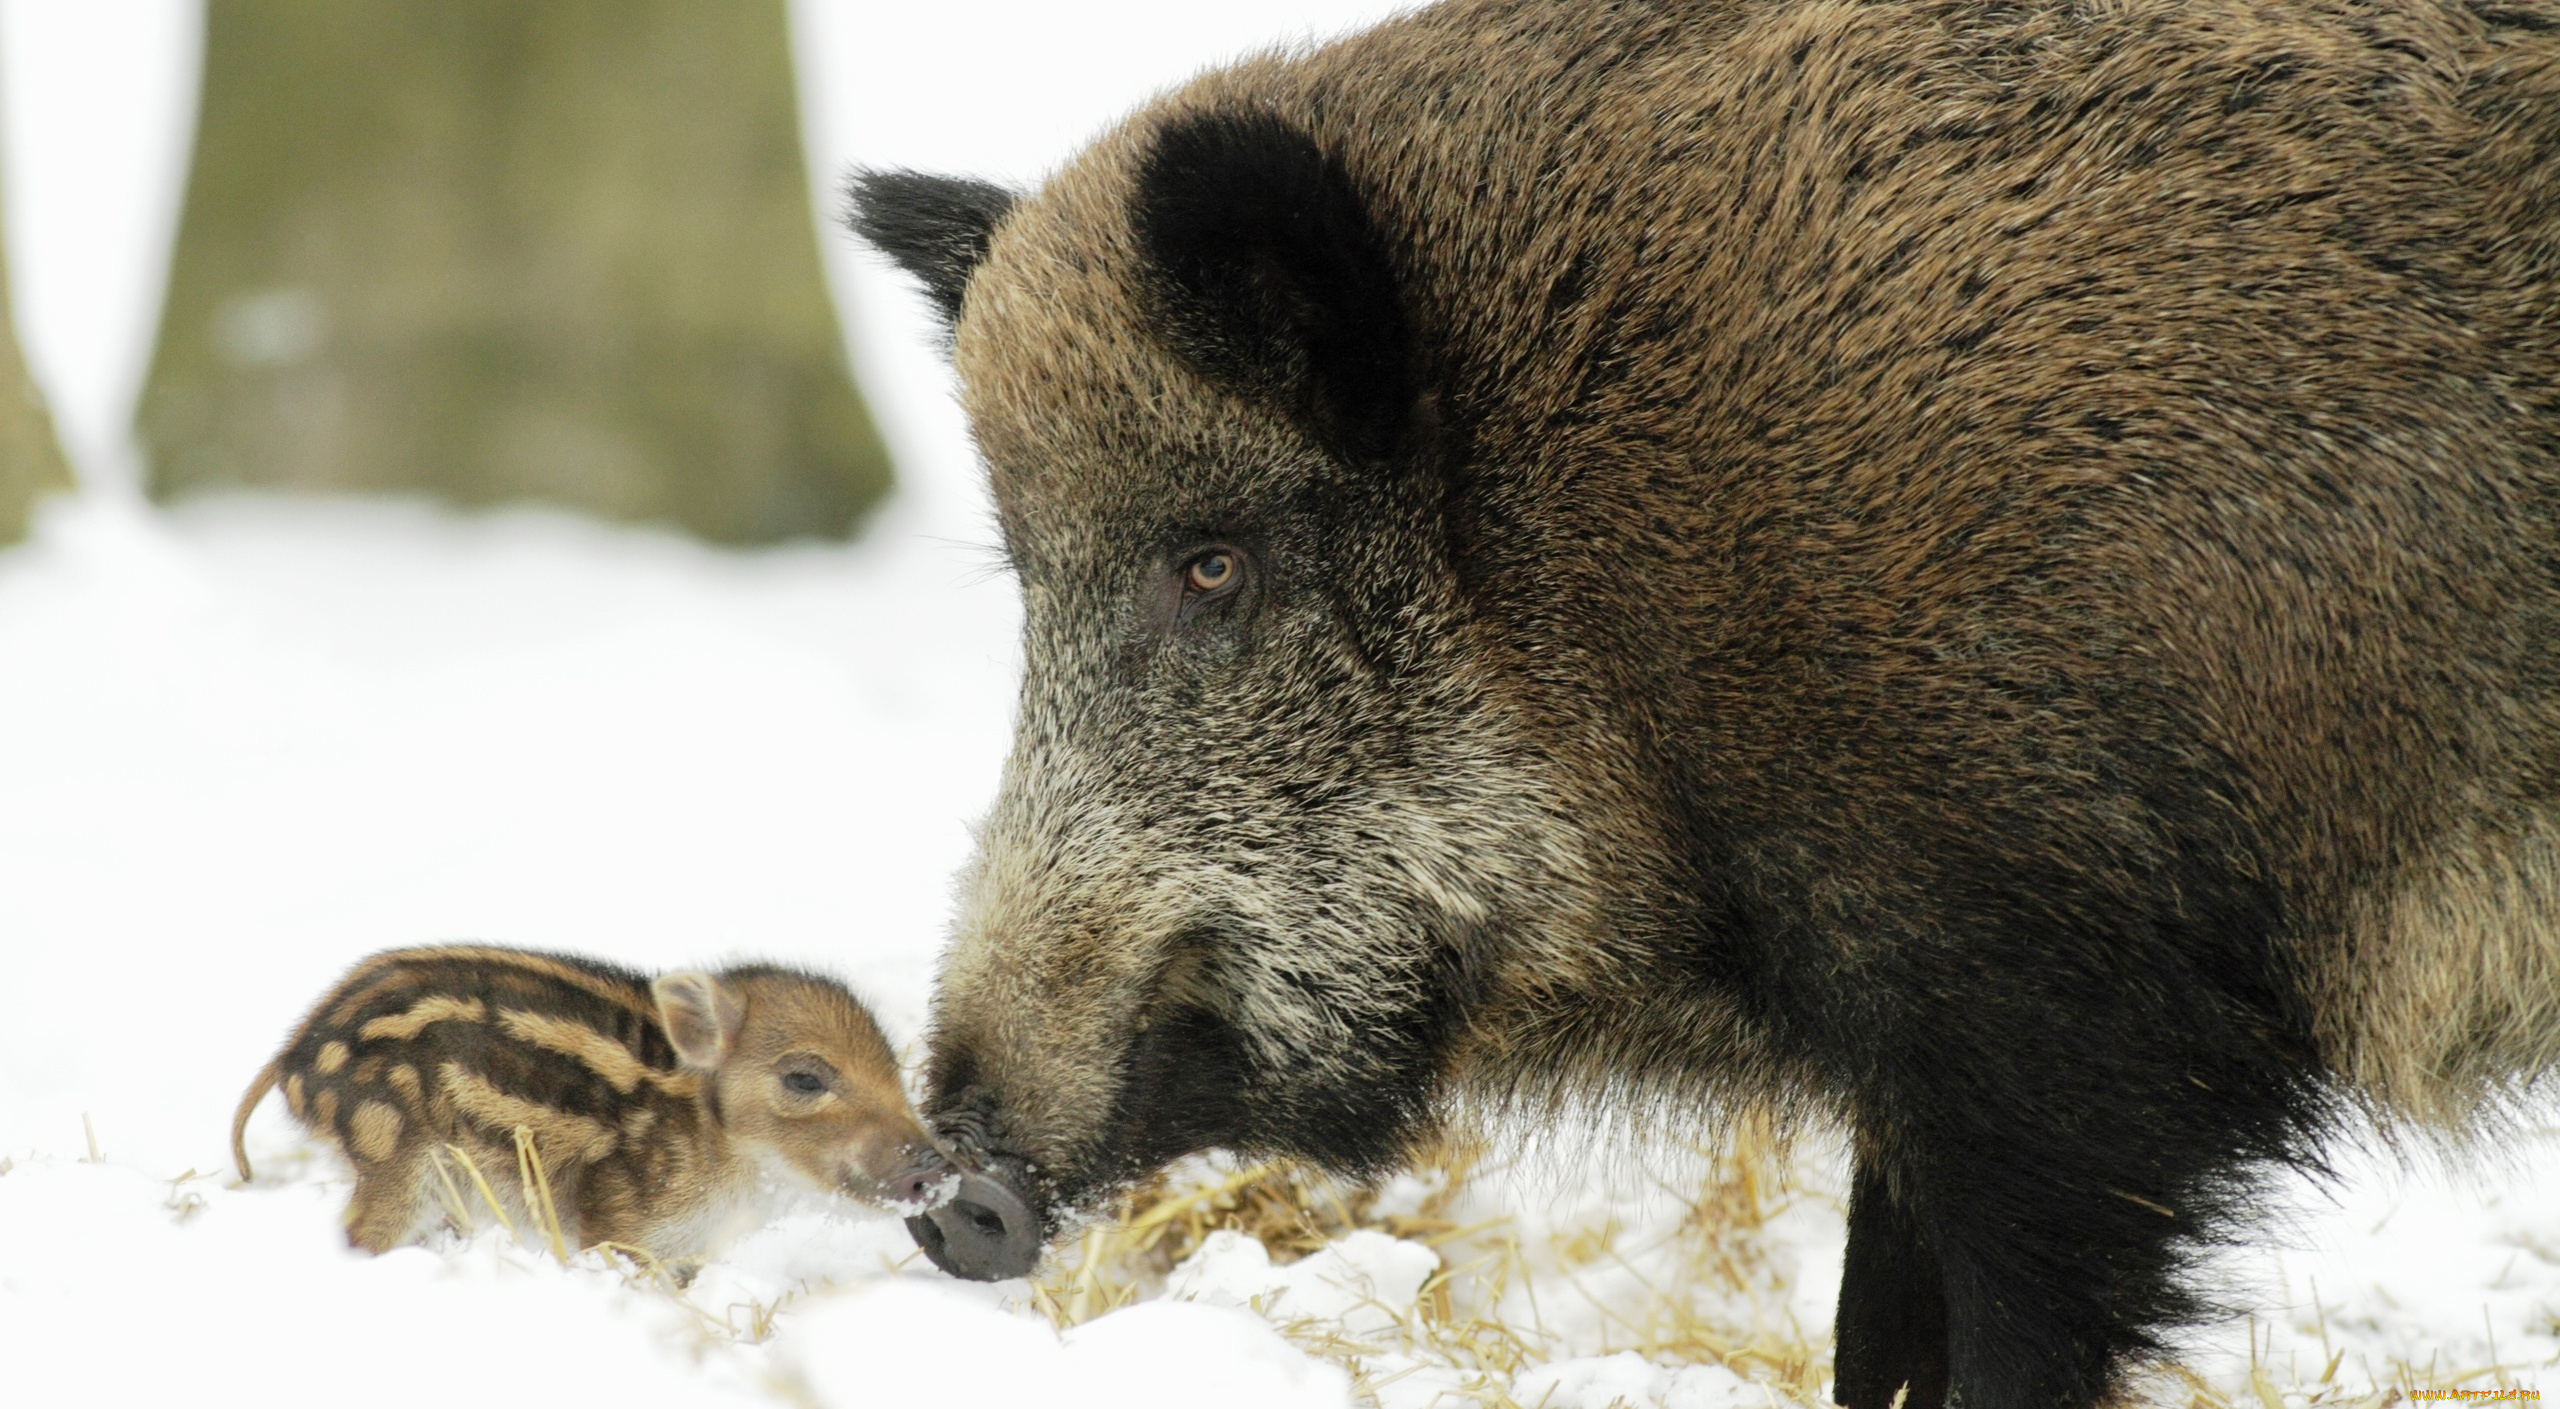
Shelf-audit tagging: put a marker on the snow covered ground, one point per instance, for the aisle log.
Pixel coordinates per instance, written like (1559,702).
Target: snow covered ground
(248,741)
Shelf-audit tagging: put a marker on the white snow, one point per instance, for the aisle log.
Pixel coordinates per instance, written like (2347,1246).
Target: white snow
(1363,1284)
(246,742)
(1626,1378)
(1167,1353)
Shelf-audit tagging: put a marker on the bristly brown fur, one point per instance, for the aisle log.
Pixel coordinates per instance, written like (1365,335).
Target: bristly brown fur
(651,1134)
(1990,570)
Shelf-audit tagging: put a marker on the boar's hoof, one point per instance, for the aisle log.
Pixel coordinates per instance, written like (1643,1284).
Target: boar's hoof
(986,1233)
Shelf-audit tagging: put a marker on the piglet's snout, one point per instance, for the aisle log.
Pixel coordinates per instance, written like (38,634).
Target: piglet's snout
(914,1179)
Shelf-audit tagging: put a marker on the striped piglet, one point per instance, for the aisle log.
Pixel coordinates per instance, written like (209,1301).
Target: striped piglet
(664,1112)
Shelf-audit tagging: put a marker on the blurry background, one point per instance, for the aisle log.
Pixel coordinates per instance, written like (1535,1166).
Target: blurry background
(542,255)
(558,251)
(373,178)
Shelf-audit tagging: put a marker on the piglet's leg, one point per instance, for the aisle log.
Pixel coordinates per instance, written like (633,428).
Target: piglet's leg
(384,1213)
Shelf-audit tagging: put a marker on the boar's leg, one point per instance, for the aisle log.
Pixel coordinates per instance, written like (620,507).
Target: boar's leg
(2031,1323)
(2064,1195)
(1892,1325)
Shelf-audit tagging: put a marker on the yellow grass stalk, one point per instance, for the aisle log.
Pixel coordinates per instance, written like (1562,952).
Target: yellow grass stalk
(480,1181)
(457,1209)
(535,1182)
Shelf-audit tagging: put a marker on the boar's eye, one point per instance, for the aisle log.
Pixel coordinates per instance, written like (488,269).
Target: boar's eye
(1213,571)
(1209,581)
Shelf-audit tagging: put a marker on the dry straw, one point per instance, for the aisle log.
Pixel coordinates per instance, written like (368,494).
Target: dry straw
(639,1267)
(1478,1323)
(534,1182)
(1707,1291)
(479,1181)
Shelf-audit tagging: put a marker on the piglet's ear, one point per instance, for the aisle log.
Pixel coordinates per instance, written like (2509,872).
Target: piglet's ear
(1274,280)
(937,228)
(702,1015)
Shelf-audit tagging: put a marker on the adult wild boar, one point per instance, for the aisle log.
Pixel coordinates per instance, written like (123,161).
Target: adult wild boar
(1984,571)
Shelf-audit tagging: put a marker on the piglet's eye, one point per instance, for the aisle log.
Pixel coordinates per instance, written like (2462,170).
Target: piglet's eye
(1213,571)
(806,1083)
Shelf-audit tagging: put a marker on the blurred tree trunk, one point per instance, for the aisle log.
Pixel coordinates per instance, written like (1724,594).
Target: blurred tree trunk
(501,249)
(31,463)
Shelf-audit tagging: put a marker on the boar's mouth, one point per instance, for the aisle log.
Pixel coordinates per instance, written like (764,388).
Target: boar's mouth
(1186,1080)
(1185,1088)
(1181,1089)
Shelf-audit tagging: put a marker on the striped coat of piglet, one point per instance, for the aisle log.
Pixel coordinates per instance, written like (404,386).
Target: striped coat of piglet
(664,1111)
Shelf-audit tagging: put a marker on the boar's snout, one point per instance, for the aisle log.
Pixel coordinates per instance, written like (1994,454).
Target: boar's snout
(985,1232)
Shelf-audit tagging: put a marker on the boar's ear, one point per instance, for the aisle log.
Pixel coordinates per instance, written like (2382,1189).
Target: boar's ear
(702,1016)
(1271,277)
(935,227)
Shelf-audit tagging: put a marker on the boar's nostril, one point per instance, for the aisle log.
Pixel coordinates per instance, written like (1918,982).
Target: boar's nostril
(985,1233)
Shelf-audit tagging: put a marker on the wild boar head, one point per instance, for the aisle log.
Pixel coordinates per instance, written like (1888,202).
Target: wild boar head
(1307,821)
